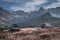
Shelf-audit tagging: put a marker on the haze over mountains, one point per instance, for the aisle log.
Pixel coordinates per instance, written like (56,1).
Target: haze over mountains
(35,18)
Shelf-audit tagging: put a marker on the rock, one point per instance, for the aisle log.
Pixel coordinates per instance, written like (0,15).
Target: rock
(47,25)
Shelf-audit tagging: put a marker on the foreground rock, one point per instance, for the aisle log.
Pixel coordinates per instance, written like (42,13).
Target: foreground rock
(32,34)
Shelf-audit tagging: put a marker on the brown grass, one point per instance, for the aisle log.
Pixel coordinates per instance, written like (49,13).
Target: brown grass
(32,34)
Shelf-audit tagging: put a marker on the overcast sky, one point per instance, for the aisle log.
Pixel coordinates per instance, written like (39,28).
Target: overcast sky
(28,5)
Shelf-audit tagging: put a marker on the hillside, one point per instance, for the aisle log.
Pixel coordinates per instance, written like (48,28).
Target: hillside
(50,19)
(46,18)
(55,11)
(34,18)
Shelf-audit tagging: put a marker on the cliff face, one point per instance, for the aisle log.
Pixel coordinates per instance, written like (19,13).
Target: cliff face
(32,34)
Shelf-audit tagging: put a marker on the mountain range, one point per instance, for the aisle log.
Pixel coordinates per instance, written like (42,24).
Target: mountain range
(35,18)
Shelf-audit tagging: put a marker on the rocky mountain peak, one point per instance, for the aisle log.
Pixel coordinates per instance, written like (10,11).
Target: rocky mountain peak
(41,9)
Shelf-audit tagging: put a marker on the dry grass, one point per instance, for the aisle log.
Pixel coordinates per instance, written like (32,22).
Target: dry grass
(32,34)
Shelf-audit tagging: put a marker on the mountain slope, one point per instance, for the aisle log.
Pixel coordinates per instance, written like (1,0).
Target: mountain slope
(50,19)
(55,11)
(10,17)
(34,17)
(46,18)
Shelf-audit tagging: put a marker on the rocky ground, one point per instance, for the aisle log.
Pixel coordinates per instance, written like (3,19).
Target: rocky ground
(32,34)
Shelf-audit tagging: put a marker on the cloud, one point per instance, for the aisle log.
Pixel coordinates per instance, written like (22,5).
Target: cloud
(31,5)
(17,1)
(54,5)
(26,9)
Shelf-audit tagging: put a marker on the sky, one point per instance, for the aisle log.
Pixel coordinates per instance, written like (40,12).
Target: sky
(28,5)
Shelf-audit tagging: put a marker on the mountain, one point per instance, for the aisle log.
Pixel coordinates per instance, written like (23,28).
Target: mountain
(12,17)
(55,11)
(46,18)
(37,14)
(40,12)
(3,16)
(35,18)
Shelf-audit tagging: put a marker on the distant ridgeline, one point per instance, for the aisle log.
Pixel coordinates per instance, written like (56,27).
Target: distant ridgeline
(32,19)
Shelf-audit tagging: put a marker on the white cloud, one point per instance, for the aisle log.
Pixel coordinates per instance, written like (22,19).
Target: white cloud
(29,6)
(26,9)
(54,5)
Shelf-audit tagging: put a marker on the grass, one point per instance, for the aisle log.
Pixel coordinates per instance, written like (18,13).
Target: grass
(34,34)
